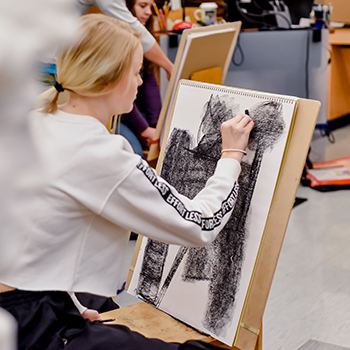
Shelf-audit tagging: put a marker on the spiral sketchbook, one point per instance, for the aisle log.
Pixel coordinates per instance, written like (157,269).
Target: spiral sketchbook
(208,288)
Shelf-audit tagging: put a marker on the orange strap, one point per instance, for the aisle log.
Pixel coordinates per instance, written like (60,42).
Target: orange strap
(155,142)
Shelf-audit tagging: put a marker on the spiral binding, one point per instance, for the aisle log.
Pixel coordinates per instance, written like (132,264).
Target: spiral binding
(236,91)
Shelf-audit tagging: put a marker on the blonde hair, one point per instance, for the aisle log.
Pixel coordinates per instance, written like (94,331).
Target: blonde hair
(96,62)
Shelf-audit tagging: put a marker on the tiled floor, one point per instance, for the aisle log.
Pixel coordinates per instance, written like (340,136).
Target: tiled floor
(125,299)
(316,345)
(310,294)
(309,303)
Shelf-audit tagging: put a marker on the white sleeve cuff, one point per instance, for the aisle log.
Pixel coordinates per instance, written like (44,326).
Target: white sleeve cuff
(228,166)
(76,302)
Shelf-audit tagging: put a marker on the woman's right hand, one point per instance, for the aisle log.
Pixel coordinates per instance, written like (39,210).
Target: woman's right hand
(235,135)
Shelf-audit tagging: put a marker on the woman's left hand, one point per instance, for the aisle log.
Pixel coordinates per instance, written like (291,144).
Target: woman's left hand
(92,315)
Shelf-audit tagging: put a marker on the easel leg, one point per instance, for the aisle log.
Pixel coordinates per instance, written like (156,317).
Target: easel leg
(259,342)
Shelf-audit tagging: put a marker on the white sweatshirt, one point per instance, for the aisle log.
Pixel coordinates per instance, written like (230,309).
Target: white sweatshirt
(98,192)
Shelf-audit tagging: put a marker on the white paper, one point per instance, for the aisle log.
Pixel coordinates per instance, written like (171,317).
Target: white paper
(175,5)
(336,173)
(189,301)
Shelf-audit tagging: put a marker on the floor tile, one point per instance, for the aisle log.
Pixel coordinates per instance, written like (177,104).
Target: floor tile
(316,345)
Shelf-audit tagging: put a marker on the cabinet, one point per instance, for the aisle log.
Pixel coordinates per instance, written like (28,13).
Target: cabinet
(339,74)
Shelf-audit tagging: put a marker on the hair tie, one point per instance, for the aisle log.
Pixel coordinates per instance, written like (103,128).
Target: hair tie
(58,87)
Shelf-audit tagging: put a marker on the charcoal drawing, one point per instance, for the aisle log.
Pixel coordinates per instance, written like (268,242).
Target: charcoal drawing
(188,162)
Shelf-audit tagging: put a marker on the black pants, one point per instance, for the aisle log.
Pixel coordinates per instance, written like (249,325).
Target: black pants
(96,302)
(50,321)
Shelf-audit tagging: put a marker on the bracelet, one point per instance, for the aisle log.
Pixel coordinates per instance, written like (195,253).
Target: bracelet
(234,150)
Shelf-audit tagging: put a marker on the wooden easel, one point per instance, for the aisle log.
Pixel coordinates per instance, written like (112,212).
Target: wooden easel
(204,52)
(152,322)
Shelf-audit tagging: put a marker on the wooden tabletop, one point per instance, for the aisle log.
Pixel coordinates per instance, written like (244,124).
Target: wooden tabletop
(153,323)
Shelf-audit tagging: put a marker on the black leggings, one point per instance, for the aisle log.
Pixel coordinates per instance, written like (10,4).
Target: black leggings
(50,321)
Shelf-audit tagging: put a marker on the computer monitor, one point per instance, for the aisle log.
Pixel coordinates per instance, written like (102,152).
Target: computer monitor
(299,9)
(250,13)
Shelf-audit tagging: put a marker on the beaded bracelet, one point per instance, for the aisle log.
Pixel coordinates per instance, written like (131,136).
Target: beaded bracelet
(234,150)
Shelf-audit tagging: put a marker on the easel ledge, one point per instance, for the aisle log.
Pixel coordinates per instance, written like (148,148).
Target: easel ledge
(154,323)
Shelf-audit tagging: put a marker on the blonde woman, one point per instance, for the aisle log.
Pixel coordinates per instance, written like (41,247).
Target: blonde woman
(97,192)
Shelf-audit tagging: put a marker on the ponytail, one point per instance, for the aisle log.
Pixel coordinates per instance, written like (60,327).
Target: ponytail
(48,100)
(51,98)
